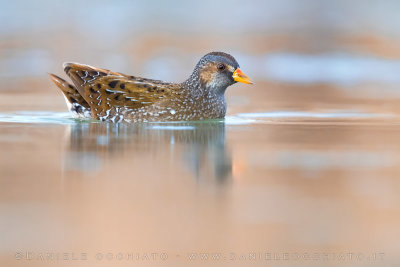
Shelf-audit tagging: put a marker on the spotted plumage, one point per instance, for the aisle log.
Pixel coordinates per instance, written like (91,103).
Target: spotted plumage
(113,96)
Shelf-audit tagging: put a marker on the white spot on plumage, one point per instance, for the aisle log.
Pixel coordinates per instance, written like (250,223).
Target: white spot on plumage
(115,91)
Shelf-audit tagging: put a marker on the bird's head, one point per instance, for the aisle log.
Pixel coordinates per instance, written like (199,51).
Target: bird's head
(217,70)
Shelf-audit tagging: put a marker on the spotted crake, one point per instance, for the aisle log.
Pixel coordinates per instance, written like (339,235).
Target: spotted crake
(113,96)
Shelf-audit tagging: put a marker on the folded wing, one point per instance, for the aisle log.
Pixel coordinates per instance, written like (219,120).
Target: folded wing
(103,89)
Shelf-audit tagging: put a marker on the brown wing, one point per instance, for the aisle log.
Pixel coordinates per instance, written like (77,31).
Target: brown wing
(104,89)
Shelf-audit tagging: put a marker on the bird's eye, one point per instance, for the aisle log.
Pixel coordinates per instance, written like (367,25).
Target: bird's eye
(221,67)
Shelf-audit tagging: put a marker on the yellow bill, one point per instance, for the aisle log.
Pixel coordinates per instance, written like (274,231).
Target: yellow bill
(239,76)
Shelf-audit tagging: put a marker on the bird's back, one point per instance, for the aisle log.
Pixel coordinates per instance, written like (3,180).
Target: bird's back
(110,95)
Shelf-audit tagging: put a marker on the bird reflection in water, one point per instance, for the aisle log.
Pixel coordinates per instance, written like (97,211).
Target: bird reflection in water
(197,146)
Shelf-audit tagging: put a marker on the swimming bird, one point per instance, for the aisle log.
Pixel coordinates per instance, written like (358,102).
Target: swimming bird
(112,96)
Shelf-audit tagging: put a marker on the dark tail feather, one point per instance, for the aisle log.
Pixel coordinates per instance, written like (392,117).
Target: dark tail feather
(75,101)
(72,95)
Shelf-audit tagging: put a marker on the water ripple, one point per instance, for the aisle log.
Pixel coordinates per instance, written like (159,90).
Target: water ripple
(48,117)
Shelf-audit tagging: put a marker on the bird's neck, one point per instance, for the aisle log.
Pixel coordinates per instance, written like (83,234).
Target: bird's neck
(198,89)
(206,100)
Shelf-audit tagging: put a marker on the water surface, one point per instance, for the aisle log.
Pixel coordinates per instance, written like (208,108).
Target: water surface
(279,181)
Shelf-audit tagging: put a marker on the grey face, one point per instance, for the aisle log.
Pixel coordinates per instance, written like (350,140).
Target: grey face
(216,70)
